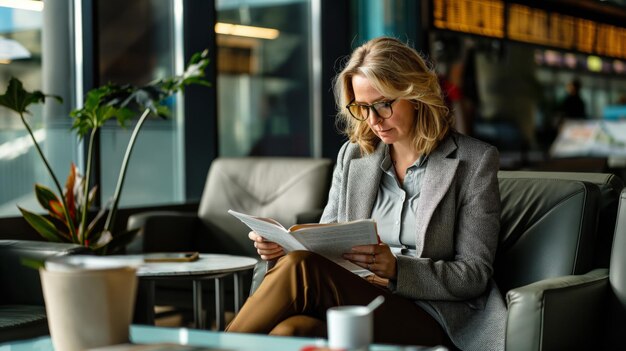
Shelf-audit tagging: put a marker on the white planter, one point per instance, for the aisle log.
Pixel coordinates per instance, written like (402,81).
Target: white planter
(89,308)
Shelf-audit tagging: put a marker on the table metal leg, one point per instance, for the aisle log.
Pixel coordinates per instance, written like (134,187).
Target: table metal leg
(198,316)
(150,302)
(238,279)
(219,304)
(144,305)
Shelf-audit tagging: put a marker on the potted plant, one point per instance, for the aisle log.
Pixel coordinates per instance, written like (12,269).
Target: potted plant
(68,209)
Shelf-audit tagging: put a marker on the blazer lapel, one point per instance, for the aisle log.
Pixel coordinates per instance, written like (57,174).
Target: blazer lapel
(363,180)
(440,172)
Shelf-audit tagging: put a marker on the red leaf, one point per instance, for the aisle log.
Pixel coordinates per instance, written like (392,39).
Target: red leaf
(69,192)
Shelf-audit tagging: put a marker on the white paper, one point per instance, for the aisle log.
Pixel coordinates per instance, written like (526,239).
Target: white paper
(271,232)
(330,241)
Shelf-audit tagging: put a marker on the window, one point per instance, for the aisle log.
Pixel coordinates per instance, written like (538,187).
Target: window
(24,55)
(264,78)
(137,45)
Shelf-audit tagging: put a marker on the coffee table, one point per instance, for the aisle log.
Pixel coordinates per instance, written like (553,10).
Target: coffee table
(141,334)
(207,267)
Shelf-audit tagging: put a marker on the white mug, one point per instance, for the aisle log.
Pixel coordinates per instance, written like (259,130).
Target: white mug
(349,327)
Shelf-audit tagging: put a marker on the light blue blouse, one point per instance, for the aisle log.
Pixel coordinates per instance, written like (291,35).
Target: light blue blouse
(395,212)
(395,209)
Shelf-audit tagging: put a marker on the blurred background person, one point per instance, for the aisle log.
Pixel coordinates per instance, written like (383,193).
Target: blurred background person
(573,106)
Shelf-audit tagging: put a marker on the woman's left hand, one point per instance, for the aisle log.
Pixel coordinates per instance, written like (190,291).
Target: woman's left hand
(377,259)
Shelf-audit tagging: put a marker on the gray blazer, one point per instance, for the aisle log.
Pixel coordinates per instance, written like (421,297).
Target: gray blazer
(458,220)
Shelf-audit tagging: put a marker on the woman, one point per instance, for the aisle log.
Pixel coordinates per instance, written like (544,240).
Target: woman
(434,195)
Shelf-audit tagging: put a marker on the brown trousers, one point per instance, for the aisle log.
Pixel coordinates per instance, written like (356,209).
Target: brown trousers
(295,294)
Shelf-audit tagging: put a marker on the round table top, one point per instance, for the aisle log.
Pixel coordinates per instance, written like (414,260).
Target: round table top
(206,264)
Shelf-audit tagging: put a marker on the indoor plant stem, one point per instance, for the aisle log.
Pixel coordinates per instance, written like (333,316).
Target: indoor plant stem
(108,225)
(70,223)
(83,220)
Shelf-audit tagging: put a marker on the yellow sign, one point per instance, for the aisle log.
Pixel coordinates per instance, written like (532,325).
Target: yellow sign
(530,25)
(482,17)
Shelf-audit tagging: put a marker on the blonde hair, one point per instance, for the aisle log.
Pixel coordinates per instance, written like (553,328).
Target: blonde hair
(396,71)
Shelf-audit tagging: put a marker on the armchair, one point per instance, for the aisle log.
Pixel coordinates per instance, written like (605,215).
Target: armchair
(286,189)
(579,311)
(549,229)
(22,309)
(290,190)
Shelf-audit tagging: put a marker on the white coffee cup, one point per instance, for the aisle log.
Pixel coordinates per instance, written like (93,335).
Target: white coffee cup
(350,327)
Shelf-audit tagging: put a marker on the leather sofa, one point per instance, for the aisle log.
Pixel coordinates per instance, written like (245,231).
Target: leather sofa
(537,241)
(579,312)
(549,229)
(22,308)
(553,224)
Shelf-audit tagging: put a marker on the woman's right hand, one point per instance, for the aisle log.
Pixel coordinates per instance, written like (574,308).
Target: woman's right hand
(268,250)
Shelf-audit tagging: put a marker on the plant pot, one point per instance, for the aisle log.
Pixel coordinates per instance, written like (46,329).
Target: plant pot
(89,308)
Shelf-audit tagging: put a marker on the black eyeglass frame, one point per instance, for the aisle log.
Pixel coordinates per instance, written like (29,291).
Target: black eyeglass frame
(370,107)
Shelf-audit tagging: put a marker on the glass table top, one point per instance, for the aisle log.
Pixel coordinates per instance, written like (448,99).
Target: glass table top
(141,334)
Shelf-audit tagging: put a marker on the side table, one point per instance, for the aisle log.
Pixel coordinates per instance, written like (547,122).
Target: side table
(206,267)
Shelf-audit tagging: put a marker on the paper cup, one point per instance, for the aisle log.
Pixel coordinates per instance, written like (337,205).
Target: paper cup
(89,308)
(349,327)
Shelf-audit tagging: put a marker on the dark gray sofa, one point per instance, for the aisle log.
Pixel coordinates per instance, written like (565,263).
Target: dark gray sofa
(553,225)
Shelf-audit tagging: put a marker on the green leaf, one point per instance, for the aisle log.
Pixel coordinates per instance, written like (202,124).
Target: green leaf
(45,196)
(32,263)
(43,226)
(199,81)
(163,111)
(123,115)
(103,114)
(83,122)
(97,109)
(18,99)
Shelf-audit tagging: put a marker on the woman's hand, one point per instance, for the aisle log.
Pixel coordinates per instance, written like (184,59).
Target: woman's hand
(267,250)
(377,259)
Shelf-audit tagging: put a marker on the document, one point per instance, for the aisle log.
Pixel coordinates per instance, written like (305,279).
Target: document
(329,240)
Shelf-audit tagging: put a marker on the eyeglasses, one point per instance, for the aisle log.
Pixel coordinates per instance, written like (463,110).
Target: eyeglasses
(361,112)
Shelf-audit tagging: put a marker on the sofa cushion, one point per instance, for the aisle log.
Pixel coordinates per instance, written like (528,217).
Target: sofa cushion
(610,187)
(547,229)
(276,187)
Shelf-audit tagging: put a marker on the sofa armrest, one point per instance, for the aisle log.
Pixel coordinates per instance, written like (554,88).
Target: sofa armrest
(162,231)
(557,313)
(20,283)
